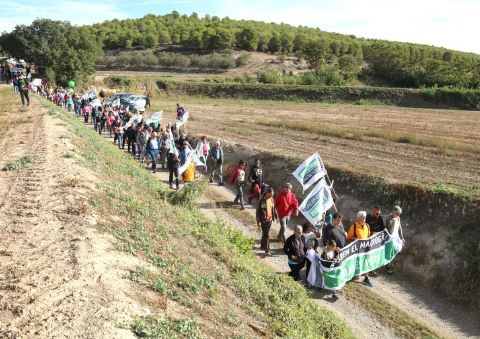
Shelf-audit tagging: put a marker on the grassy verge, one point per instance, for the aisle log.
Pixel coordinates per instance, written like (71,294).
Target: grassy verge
(338,132)
(194,259)
(403,324)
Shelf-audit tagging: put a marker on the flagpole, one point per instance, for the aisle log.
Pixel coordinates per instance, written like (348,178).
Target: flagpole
(329,182)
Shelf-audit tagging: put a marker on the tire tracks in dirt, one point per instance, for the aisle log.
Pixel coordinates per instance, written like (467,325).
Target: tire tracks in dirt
(59,277)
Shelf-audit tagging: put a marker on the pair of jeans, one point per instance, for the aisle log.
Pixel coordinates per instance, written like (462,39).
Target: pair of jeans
(265,242)
(101,127)
(283,227)
(217,169)
(85,117)
(154,155)
(24,96)
(295,270)
(239,196)
(172,172)
(120,140)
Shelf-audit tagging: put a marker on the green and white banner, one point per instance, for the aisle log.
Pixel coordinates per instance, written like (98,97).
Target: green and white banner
(359,257)
(310,171)
(317,202)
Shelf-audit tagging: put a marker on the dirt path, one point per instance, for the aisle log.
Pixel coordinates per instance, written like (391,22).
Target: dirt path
(429,309)
(59,276)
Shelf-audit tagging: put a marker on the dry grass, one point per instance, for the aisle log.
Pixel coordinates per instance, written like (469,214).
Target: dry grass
(360,134)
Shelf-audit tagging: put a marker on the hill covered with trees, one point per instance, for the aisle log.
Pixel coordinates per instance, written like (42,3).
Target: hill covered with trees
(392,63)
(398,64)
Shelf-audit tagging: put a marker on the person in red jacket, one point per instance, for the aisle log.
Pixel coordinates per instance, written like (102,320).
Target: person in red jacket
(286,204)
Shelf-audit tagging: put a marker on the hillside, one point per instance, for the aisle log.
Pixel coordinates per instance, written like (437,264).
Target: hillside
(180,36)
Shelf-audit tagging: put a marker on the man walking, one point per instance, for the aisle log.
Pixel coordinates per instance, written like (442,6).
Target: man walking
(216,156)
(286,204)
(255,177)
(266,214)
(23,89)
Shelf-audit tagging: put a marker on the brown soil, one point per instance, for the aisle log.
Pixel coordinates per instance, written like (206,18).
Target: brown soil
(59,277)
(236,122)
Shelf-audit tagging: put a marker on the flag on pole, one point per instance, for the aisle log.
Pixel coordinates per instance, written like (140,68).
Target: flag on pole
(171,143)
(317,202)
(310,171)
(116,102)
(187,163)
(183,121)
(155,118)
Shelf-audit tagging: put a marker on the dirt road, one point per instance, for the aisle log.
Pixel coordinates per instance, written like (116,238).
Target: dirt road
(433,311)
(59,276)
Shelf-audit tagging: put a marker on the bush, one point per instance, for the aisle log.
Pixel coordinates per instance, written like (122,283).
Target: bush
(118,81)
(242,60)
(322,77)
(270,76)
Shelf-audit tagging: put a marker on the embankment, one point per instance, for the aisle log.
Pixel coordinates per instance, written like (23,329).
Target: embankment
(442,230)
(423,98)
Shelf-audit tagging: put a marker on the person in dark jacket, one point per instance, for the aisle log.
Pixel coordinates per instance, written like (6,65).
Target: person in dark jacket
(266,214)
(334,231)
(131,134)
(216,157)
(173,163)
(294,248)
(23,89)
(375,220)
(255,177)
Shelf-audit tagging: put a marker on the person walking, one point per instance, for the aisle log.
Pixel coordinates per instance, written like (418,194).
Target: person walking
(153,149)
(394,227)
(360,230)
(255,177)
(22,84)
(173,163)
(216,156)
(266,214)
(286,204)
(238,178)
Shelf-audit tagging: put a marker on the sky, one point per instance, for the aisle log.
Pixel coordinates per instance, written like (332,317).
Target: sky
(447,23)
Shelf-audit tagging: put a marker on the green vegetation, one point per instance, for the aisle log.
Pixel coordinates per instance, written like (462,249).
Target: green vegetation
(395,63)
(67,51)
(23,162)
(139,59)
(61,51)
(156,221)
(434,97)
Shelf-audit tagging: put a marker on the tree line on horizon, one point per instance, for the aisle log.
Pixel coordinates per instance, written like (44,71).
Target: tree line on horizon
(392,63)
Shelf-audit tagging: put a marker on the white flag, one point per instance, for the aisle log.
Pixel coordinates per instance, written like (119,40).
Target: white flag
(116,102)
(155,118)
(139,105)
(317,202)
(310,171)
(171,142)
(187,163)
(183,121)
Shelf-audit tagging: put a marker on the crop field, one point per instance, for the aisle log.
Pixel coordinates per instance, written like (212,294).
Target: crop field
(433,148)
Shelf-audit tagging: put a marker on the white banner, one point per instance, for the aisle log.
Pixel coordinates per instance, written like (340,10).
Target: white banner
(37,82)
(187,163)
(155,117)
(116,102)
(310,171)
(183,121)
(317,202)
(91,95)
(139,105)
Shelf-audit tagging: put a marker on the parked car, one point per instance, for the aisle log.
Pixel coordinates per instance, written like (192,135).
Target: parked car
(114,97)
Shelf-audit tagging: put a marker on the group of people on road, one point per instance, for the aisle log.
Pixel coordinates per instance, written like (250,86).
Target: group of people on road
(18,75)
(153,142)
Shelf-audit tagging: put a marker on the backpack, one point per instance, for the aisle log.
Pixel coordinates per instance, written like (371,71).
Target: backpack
(355,229)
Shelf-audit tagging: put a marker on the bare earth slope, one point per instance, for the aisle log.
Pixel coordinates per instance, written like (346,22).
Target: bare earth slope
(59,277)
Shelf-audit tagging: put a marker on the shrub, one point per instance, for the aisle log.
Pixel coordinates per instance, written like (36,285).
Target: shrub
(118,81)
(242,60)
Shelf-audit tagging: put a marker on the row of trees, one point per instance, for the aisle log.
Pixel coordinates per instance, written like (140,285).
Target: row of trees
(59,50)
(397,64)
